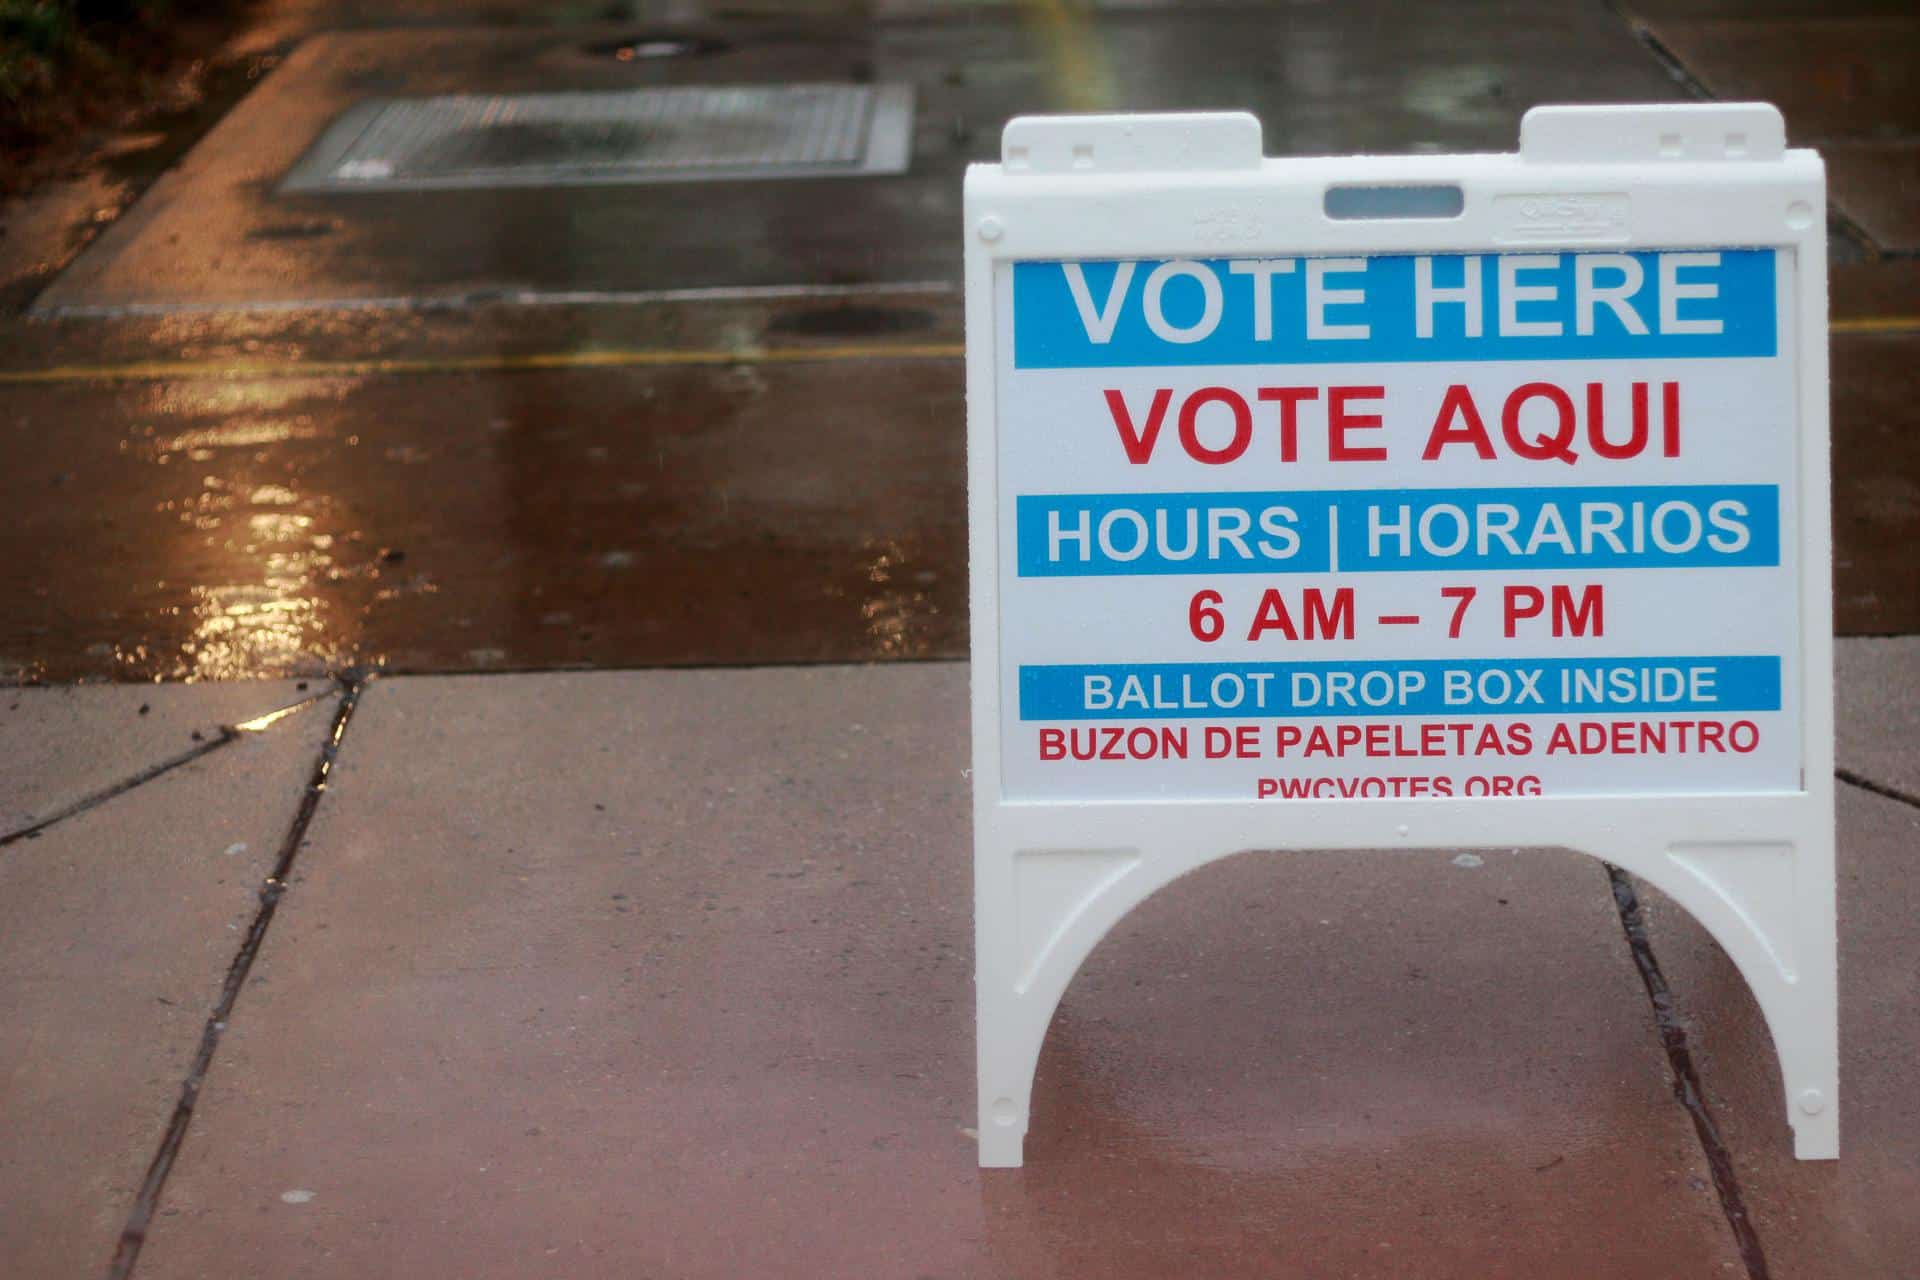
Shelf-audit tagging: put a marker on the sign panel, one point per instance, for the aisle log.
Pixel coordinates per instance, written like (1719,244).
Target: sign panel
(1367,503)
(1366,526)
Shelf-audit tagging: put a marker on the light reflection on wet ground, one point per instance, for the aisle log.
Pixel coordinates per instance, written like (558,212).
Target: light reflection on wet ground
(901,609)
(1369,76)
(272,615)
(616,518)
(202,528)
(234,523)
(607,517)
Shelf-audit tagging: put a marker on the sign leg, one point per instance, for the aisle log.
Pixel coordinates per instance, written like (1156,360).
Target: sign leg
(1770,906)
(1005,1086)
(1810,1068)
(1005,1061)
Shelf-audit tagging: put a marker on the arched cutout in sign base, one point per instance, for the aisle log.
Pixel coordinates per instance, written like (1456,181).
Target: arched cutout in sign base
(1062,901)
(1622,627)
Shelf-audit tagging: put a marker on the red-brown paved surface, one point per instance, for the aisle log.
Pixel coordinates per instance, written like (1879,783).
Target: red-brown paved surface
(698,1001)
(1853,1217)
(667,972)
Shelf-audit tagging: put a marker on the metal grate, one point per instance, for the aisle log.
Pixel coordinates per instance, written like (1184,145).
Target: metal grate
(626,135)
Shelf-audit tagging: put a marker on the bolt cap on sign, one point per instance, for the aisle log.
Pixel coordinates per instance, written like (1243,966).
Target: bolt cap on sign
(1445,501)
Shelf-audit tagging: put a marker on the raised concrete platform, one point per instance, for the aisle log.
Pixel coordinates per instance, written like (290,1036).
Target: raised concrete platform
(117,927)
(61,745)
(587,972)
(675,966)
(1877,711)
(1854,1217)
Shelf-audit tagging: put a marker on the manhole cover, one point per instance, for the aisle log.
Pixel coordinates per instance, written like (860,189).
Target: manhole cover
(625,135)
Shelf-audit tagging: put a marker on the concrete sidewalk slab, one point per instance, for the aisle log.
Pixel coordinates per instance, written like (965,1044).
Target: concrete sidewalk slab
(116,930)
(1857,1216)
(668,973)
(60,745)
(1877,710)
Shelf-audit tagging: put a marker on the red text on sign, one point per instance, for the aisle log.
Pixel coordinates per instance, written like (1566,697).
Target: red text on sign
(1538,421)
(1229,429)
(1569,617)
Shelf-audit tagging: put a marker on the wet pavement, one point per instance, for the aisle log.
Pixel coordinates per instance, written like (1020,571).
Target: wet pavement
(215,229)
(568,460)
(582,970)
(729,514)
(1848,81)
(448,512)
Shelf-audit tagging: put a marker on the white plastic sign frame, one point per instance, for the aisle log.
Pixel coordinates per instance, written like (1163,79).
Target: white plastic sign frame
(1750,854)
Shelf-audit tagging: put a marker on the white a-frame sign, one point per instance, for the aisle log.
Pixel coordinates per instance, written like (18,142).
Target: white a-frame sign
(1387,502)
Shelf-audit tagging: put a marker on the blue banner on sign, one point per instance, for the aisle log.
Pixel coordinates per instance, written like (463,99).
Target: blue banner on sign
(1074,535)
(1418,687)
(1598,527)
(1070,535)
(1395,309)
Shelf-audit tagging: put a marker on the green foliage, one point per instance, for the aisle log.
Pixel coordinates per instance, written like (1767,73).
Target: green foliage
(36,38)
(44,41)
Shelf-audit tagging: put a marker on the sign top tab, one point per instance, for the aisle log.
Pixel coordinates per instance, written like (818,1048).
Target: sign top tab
(1132,144)
(1698,131)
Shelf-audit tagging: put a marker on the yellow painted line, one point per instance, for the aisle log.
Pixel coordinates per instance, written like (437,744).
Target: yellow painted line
(1875,324)
(1081,76)
(609,358)
(615,358)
